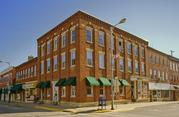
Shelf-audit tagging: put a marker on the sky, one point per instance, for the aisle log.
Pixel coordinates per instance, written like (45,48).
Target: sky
(23,21)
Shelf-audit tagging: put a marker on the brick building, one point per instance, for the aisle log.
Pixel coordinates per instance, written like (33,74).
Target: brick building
(7,79)
(164,75)
(26,81)
(75,56)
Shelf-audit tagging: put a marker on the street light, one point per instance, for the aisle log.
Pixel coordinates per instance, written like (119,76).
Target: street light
(112,77)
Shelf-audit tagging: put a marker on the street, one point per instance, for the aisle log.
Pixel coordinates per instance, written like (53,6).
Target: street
(168,110)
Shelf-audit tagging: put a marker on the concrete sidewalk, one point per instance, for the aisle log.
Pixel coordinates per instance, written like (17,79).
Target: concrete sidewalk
(95,109)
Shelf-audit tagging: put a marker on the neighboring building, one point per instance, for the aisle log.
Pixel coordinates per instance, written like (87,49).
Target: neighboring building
(26,81)
(164,75)
(7,79)
(75,55)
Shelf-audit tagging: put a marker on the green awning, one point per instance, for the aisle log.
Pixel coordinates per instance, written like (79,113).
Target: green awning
(91,81)
(16,88)
(70,81)
(124,82)
(5,90)
(104,81)
(44,84)
(60,82)
(0,91)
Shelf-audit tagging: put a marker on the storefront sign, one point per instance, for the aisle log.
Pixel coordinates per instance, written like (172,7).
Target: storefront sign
(29,86)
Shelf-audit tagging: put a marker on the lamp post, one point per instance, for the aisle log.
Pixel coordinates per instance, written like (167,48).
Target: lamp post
(9,76)
(112,57)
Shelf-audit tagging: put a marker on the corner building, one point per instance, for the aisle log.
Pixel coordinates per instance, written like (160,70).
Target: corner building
(75,66)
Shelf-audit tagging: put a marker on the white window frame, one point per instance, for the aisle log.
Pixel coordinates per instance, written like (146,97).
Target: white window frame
(136,63)
(63,60)
(143,68)
(55,43)
(63,91)
(55,66)
(42,50)
(48,46)
(129,52)
(71,34)
(91,51)
(48,67)
(102,88)
(89,95)
(121,58)
(101,62)
(129,60)
(63,39)
(73,60)
(91,32)
(101,34)
(73,91)
(121,48)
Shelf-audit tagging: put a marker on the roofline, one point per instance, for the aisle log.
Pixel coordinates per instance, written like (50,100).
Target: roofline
(94,17)
(35,58)
(170,57)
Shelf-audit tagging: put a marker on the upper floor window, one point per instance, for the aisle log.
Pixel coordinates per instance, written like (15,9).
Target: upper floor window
(48,65)
(136,50)
(170,65)
(158,74)
(151,74)
(166,76)
(31,71)
(73,35)
(48,47)
(101,38)
(42,49)
(42,67)
(121,64)
(73,57)
(89,56)
(112,42)
(143,68)
(63,38)
(143,52)
(63,60)
(55,42)
(155,73)
(129,65)
(136,67)
(129,48)
(55,63)
(163,75)
(35,70)
(89,34)
(101,60)
(121,45)
(112,62)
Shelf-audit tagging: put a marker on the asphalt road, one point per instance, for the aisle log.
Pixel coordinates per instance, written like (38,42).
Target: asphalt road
(168,110)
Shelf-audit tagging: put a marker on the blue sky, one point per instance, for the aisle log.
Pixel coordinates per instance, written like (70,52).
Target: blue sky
(23,21)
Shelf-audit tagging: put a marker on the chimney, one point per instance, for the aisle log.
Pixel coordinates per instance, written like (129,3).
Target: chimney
(30,58)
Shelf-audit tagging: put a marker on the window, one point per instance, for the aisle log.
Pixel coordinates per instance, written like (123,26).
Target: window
(89,34)
(170,65)
(35,72)
(121,46)
(136,67)
(63,60)
(48,65)
(48,47)
(101,38)
(129,48)
(129,65)
(73,35)
(89,91)
(176,67)
(102,91)
(163,76)
(112,62)
(155,73)
(63,38)
(121,90)
(63,91)
(143,68)
(121,64)
(151,74)
(73,57)
(55,41)
(55,63)
(166,76)
(28,73)
(101,60)
(136,50)
(173,66)
(158,74)
(89,56)
(112,42)
(73,91)
(31,71)
(143,52)
(42,50)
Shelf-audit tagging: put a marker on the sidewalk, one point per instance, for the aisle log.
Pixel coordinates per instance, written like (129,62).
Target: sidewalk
(117,108)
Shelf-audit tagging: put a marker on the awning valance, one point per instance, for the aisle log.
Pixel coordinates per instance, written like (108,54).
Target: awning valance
(60,82)
(91,81)
(104,81)
(124,82)
(160,86)
(70,81)
(16,88)
(44,84)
